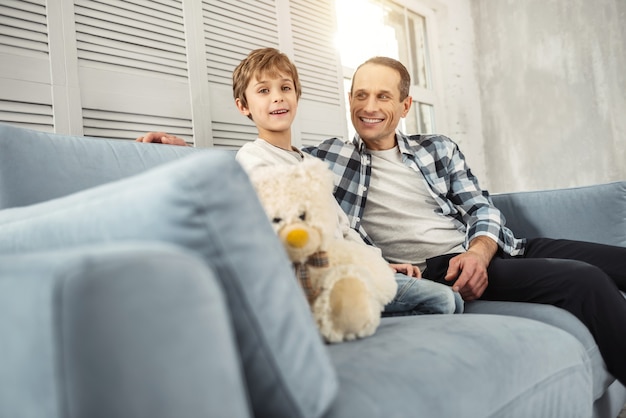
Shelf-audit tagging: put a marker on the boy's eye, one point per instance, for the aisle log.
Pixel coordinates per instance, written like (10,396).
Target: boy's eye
(263,91)
(286,88)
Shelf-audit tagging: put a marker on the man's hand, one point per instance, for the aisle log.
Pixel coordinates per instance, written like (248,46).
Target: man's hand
(470,268)
(162,138)
(408,269)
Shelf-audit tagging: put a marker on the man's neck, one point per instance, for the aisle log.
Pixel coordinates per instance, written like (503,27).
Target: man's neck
(380,144)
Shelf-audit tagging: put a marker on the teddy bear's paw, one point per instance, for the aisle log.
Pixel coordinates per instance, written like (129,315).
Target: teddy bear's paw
(353,312)
(349,304)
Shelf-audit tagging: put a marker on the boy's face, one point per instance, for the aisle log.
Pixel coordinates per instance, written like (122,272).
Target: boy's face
(375,105)
(272,104)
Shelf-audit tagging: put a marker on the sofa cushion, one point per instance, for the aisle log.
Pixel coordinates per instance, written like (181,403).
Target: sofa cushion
(468,365)
(556,317)
(30,161)
(205,203)
(594,213)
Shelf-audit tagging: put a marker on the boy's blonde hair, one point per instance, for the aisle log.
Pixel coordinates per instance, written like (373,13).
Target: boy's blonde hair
(262,61)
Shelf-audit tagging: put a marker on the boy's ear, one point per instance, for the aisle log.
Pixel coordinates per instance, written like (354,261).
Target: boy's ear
(242,109)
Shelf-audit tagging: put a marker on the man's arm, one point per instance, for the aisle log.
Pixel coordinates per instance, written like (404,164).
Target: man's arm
(470,268)
(162,138)
(478,212)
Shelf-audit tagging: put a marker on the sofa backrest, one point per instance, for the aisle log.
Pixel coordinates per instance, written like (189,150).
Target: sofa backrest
(591,213)
(37,166)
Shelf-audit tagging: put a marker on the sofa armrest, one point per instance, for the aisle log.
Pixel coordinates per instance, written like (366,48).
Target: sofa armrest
(592,213)
(117,330)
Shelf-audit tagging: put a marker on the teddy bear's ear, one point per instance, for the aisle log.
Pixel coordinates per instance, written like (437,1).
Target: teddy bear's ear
(268,177)
(318,173)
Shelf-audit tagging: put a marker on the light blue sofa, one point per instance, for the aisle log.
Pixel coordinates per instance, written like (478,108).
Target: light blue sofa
(141,280)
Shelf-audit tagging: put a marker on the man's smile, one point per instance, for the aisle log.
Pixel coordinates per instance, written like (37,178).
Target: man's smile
(371,120)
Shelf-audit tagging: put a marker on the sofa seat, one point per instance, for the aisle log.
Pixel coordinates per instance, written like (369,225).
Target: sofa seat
(462,366)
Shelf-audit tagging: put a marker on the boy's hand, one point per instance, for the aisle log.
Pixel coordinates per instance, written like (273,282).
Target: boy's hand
(162,138)
(408,269)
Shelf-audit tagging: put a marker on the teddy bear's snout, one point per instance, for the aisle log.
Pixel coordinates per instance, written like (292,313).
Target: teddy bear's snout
(297,238)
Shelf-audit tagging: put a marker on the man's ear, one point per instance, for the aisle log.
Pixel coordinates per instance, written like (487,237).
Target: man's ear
(406,103)
(242,109)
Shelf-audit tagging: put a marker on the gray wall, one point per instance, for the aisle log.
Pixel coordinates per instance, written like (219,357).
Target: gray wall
(552,81)
(460,90)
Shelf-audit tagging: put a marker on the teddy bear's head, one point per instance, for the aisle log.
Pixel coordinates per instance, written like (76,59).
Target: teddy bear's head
(298,201)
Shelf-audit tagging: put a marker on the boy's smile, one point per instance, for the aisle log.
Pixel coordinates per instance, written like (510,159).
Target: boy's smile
(279,112)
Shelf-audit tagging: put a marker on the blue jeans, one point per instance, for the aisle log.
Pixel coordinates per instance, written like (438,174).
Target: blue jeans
(422,296)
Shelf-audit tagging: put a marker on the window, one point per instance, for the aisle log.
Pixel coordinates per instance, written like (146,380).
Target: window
(382,27)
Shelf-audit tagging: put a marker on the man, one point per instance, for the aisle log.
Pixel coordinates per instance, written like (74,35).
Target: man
(420,203)
(378,101)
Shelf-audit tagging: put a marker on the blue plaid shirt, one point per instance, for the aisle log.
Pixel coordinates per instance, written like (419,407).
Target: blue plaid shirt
(441,163)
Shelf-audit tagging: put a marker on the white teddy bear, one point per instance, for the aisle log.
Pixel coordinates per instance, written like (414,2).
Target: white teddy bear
(347,283)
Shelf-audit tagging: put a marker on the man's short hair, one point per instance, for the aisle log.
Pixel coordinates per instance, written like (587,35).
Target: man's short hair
(405,77)
(262,61)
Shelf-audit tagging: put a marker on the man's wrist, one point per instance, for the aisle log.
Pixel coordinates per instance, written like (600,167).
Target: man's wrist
(484,247)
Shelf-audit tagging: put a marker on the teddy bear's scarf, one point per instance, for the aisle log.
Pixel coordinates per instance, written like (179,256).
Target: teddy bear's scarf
(319,260)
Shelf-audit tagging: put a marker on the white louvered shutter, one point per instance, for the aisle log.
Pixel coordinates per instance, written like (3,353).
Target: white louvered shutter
(132,68)
(304,31)
(25,92)
(120,68)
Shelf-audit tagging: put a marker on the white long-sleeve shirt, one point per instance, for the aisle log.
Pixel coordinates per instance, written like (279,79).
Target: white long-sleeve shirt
(261,153)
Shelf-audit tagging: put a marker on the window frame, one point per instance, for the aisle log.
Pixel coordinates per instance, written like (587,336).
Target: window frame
(429,96)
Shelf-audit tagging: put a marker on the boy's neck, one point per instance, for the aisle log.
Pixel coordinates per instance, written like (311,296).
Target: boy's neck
(278,139)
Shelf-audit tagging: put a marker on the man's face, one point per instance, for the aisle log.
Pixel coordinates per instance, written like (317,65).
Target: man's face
(375,105)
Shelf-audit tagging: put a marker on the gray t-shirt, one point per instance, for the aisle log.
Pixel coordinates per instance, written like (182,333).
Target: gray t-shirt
(412,231)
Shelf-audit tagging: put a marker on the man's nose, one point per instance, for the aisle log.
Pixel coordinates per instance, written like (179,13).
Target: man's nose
(370,105)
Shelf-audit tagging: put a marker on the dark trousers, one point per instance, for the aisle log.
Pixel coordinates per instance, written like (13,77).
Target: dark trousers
(582,278)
